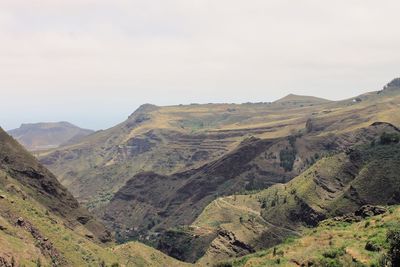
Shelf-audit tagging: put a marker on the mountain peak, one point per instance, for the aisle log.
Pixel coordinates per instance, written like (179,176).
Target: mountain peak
(143,109)
(301,99)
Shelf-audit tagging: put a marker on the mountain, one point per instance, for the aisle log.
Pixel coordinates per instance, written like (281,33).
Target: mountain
(143,203)
(301,100)
(41,136)
(152,177)
(366,173)
(43,186)
(173,139)
(164,140)
(41,224)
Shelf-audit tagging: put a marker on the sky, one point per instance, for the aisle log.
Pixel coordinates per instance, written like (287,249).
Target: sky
(93,62)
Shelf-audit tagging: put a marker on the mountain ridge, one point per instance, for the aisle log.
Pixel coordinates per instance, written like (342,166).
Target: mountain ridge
(46,135)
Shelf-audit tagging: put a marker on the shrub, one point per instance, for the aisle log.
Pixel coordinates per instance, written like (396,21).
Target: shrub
(287,158)
(393,237)
(223,264)
(334,253)
(389,138)
(371,246)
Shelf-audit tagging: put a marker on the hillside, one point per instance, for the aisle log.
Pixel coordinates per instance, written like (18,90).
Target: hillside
(335,185)
(175,139)
(42,185)
(41,136)
(41,224)
(150,177)
(150,203)
(335,242)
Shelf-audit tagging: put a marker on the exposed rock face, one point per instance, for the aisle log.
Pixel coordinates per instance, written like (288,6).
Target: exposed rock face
(306,214)
(46,247)
(369,211)
(184,245)
(227,243)
(362,213)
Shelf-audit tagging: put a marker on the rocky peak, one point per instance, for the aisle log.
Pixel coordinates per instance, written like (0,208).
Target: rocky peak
(395,83)
(145,108)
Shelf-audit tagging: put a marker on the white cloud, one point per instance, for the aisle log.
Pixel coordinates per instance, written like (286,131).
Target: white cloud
(87,53)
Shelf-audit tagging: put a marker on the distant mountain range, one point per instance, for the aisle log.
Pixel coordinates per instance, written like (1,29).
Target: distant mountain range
(46,135)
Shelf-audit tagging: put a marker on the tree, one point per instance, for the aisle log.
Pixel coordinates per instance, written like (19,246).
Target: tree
(393,237)
(389,138)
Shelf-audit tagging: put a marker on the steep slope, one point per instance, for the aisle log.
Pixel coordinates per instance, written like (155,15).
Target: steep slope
(335,185)
(149,203)
(41,224)
(168,140)
(164,140)
(39,136)
(43,186)
(334,242)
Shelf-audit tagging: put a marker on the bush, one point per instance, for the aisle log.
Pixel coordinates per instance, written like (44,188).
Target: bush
(329,263)
(223,264)
(287,158)
(393,237)
(371,246)
(334,253)
(389,138)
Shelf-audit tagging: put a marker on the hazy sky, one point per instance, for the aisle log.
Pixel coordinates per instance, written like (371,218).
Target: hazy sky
(93,62)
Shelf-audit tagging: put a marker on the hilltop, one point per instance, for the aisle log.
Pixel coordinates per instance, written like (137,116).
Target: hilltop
(45,135)
(301,100)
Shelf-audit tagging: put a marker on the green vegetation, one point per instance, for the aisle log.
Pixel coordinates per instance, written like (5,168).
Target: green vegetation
(393,237)
(336,244)
(287,156)
(41,224)
(389,138)
(325,190)
(200,153)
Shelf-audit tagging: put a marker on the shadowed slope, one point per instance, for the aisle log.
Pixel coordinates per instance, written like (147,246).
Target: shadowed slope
(41,224)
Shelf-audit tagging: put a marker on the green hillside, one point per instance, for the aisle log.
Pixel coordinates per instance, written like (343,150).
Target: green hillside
(367,242)
(41,224)
(335,185)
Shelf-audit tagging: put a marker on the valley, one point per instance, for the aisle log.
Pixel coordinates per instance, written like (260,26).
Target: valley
(208,183)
